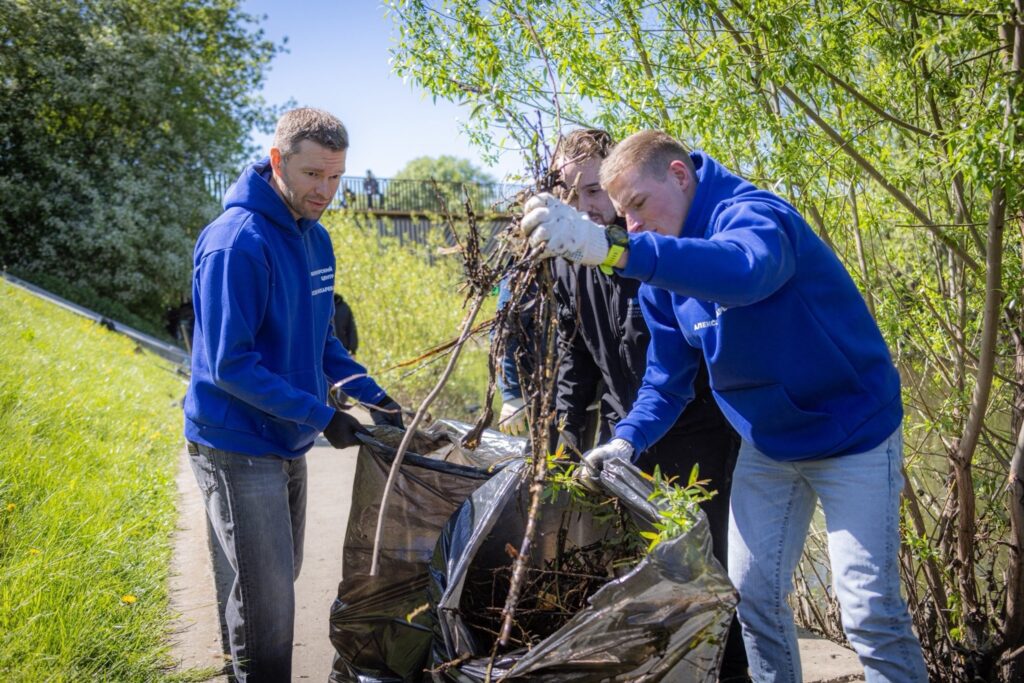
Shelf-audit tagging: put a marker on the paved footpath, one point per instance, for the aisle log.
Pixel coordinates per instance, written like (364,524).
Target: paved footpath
(200,574)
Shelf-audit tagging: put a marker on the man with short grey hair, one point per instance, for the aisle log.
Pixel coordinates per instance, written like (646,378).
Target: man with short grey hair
(264,355)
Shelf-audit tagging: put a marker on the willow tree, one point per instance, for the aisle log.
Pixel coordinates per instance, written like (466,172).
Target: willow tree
(896,128)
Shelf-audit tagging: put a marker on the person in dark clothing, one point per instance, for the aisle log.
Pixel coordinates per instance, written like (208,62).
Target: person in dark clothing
(605,340)
(345,325)
(512,418)
(370,187)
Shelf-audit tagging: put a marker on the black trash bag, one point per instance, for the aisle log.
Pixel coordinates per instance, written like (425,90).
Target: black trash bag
(378,624)
(664,620)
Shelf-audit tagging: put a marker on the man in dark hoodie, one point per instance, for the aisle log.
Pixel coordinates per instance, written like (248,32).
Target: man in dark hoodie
(796,362)
(262,360)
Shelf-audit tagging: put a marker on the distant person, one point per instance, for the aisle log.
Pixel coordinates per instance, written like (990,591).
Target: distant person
(181,323)
(262,361)
(370,187)
(345,324)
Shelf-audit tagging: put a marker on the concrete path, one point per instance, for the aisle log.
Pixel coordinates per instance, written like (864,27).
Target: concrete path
(200,574)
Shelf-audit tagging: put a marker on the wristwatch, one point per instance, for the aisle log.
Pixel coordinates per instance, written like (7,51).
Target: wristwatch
(618,243)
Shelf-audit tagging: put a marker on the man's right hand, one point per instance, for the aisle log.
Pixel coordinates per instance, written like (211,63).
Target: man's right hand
(342,429)
(563,231)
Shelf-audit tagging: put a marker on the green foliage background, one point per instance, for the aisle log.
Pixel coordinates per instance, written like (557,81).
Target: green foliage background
(405,303)
(91,433)
(111,112)
(896,128)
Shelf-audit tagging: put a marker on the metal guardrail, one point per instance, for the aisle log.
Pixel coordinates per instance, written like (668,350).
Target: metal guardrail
(424,196)
(417,230)
(161,348)
(395,195)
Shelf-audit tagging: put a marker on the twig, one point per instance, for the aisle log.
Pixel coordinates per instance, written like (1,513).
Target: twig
(474,265)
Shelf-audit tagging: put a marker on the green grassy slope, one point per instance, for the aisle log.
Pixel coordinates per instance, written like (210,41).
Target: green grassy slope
(89,432)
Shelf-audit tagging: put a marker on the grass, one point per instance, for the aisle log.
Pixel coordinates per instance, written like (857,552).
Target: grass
(91,430)
(404,305)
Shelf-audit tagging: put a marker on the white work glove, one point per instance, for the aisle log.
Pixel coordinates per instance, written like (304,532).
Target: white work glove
(563,231)
(513,417)
(594,460)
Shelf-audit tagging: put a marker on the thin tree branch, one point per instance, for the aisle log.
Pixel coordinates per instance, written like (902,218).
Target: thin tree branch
(870,104)
(848,148)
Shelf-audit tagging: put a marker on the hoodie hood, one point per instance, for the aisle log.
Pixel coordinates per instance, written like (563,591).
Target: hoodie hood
(253,192)
(714,184)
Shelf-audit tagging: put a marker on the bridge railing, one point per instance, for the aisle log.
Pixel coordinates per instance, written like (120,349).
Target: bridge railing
(400,196)
(423,196)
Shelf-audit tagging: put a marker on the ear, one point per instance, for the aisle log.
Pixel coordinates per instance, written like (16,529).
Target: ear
(276,159)
(682,174)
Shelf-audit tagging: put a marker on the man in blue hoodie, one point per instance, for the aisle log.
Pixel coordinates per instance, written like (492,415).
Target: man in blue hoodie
(796,363)
(263,356)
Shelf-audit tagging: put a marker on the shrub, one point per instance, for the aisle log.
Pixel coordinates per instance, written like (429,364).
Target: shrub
(406,302)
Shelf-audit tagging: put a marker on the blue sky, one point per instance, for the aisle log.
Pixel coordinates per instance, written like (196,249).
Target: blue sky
(337,60)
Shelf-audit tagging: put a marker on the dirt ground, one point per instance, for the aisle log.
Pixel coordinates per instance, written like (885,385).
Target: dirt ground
(200,575)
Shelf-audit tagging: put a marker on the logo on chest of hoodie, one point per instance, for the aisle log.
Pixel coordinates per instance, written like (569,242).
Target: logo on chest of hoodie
(322,280)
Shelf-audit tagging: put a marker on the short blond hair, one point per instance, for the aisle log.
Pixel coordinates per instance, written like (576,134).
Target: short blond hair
(650,151)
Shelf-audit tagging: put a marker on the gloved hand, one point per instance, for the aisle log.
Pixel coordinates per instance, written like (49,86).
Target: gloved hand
(390,413)
(564,231)
(513,417)
(589,470)
(342,429)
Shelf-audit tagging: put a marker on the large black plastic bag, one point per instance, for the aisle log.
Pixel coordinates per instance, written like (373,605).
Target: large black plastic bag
(374,638)
(666,620)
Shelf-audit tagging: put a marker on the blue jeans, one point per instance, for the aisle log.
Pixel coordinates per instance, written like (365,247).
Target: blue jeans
(772,505)
(257,507)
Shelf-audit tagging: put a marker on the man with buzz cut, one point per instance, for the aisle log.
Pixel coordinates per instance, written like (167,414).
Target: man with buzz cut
(264,355)
(733,273)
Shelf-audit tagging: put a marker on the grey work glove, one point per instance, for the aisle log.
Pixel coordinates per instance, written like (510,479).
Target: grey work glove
(563,231)
(594,460)
(342,429)
(387,412)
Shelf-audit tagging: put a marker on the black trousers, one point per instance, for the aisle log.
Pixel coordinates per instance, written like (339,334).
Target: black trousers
(713,448)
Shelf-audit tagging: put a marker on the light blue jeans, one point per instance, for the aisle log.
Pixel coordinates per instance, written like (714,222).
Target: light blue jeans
(257,507)
(772,506)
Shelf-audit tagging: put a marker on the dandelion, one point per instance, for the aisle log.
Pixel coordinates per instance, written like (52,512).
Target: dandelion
(33,551)
(128,598)
(11,507)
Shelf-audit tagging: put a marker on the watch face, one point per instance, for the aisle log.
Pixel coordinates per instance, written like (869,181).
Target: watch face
(618,236)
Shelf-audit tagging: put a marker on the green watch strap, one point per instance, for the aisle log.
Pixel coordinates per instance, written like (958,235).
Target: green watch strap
(614,252)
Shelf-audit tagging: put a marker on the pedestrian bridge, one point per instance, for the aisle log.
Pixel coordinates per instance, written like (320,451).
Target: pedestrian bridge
(401,198)
(409,210)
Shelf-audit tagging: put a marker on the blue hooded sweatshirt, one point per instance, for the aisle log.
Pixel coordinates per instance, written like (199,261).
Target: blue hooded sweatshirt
(264,349)
(796,361)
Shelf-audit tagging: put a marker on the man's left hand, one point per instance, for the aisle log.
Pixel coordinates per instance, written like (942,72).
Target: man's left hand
(387,412)
(563,231)
(594,460)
